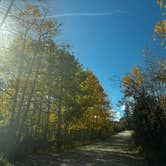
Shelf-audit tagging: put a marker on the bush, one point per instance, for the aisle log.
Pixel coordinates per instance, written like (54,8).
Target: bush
(3,160)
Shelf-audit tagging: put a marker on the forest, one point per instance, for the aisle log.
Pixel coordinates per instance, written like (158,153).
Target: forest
(51,103)
(48,101)
(144,96)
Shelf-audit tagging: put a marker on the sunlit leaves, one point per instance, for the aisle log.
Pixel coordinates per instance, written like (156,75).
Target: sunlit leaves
(4,109)
(132,82)
(145,98)
(162,3)
(48,95)
(160,27)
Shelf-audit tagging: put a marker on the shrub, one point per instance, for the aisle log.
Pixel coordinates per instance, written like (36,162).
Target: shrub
(3,160)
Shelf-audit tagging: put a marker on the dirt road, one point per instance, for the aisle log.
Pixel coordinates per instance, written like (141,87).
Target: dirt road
(116,151)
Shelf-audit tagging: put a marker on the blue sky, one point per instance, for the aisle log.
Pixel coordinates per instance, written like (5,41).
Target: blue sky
(107,36)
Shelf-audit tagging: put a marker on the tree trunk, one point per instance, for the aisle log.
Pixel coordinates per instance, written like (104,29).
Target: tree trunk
(59,128)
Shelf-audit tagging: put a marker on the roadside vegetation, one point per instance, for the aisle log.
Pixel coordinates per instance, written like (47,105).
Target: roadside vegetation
(145,100)
(48,101)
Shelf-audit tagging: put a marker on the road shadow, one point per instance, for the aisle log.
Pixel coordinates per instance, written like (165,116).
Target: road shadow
(113,152)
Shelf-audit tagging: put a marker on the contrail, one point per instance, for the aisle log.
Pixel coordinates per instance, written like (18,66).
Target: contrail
(91,14)
(82,14)
(88,14)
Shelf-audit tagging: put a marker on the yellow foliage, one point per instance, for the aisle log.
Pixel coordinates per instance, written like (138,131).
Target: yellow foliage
(160,2)
(136,71)
(160,27)
(52,118)
(127,80)
(139,76)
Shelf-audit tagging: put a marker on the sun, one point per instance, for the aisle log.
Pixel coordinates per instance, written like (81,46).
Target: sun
(7,31)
